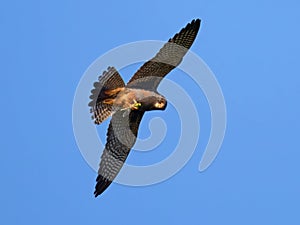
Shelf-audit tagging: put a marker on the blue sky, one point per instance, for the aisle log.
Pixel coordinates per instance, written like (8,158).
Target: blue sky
(252,47)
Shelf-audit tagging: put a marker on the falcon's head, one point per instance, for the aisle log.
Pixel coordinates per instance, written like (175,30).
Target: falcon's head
(153,103)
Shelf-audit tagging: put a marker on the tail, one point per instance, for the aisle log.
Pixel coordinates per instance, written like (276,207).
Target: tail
(105,90)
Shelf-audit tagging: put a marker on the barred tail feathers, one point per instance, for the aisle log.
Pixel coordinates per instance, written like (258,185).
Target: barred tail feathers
(109,84)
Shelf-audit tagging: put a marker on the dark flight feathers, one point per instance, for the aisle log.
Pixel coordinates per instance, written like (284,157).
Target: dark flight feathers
(169,56)
(121,136)
(122,131)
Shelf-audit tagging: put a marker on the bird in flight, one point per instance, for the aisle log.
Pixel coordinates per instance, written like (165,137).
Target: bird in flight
(127,103)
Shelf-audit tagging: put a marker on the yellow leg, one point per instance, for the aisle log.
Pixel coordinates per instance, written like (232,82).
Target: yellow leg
(136,105)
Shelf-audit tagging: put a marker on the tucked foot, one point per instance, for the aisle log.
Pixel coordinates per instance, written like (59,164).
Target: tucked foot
(135,106)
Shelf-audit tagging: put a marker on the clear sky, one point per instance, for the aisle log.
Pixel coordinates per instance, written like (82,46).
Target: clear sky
(251,46)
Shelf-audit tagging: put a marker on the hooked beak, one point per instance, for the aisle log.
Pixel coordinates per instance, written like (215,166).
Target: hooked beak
(161,105)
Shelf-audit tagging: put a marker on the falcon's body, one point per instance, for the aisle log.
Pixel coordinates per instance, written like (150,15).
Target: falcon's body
(128,103)
(128,97)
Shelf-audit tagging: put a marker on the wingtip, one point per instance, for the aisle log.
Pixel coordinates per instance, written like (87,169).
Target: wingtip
(101,186)
(196,23)
(193,25)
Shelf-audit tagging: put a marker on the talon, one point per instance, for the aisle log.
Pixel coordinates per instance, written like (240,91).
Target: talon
(136,105)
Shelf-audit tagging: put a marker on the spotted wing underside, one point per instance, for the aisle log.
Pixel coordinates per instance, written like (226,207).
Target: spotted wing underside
(122,131)
(121,136)
(169,56)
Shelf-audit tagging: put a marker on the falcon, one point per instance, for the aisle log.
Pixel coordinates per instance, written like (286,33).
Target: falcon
(127,103)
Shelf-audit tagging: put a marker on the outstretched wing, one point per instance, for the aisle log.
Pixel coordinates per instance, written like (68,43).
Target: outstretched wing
(121,136)
(169,56)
